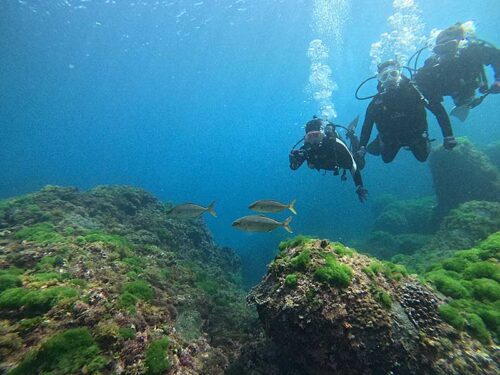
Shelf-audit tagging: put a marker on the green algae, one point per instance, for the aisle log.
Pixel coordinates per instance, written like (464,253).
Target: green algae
(291,280)
(34,301)
(301,261)
(126,333)
(64,353)
(294,242)
(452,316)
(334,273)
(470,278)
(157,361)
(42,233)
(140,289)
(112,240)
(342,250)
(10,278)
(383,298)
(476,327)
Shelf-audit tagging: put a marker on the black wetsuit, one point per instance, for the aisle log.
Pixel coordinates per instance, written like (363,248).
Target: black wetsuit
(401,120)
(331,154)
(458,76)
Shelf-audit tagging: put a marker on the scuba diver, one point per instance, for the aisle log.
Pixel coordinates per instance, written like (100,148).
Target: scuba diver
(456,69)
(325,150)
(398,110)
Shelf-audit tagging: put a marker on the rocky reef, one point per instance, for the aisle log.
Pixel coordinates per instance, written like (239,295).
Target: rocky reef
(400,226)
(101,282)
(463,175)
(328,309)
(461,229)
(470,279)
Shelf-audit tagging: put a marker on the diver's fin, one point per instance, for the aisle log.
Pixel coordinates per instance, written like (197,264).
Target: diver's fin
(291,206)
(286,224)
(210,209)
(354,123)
(461,112)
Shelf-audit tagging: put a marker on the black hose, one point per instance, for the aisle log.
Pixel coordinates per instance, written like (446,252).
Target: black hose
(296,144)
(416,56)
(361,85)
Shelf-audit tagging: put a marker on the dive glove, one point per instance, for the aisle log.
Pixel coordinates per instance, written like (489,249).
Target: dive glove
(362,193)
(449,142)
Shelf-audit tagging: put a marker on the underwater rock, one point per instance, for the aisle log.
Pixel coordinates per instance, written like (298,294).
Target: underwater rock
(332,310)
(385,245)
(404,216)
(462,228)
(106,269)
(462,175)
(493,152)
(400,227)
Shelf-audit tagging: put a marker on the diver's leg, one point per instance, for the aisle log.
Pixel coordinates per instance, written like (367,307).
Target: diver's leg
(374,147)
(389,151)
(421,149)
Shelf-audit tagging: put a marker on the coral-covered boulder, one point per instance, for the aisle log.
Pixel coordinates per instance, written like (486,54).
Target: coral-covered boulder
(462,175)
(334,311)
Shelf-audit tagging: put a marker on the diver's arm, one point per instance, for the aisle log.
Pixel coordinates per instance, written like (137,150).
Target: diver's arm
(442,117)
(366,130)
(358,182)
(490,55)
(356,176)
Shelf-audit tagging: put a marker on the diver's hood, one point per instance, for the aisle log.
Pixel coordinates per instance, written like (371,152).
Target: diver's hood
(314,125)
(448,40)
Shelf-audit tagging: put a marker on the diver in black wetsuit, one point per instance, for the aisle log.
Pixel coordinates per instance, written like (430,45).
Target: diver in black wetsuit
(456,69)
(398,110)
(325,150)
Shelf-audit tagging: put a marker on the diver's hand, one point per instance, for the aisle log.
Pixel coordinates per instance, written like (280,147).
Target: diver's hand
(361,152)
(362,193)
(449,142)
(296,159)
(495,87)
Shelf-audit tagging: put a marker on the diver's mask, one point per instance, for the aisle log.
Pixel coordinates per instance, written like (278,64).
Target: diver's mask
(313,137)
(390,76)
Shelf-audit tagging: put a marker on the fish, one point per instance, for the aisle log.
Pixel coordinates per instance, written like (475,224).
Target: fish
(190,211)
(261,223)
(266,205)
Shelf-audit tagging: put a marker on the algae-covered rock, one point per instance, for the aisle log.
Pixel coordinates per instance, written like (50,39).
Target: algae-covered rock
(470,279)
(397,216)
(462,175)
(400,227)
(493,152)
(351,314)
(385,245)
(93,282)
(461,229)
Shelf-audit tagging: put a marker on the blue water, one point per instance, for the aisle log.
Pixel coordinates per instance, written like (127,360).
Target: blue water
(196,101)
